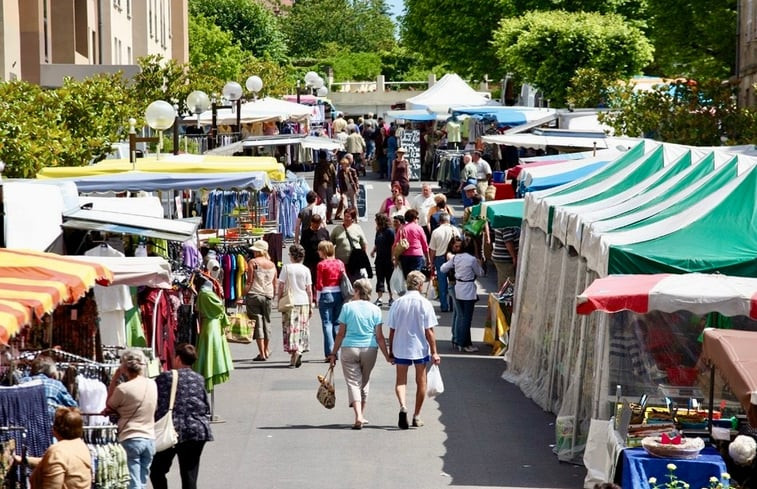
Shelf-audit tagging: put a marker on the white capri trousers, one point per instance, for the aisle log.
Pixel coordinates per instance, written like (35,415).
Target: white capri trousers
(357,365)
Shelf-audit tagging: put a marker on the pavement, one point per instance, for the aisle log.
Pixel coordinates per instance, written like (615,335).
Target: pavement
(481,432)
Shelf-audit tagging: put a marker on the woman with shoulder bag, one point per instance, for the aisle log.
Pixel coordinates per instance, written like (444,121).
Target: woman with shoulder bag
(191,420)
(330,300)
(259,292)
(295,287)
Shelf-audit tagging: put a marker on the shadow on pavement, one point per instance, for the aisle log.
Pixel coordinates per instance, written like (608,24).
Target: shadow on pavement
(495,436)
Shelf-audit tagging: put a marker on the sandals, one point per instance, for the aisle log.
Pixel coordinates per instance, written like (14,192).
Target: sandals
(259,358)
(357,426)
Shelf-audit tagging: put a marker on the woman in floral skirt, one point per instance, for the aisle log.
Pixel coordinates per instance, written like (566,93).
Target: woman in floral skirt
(295,279)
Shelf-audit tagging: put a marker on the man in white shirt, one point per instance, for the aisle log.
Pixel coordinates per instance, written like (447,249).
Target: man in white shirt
(355,144)
(437,253)
(483,173)
(423,203)
(412,341)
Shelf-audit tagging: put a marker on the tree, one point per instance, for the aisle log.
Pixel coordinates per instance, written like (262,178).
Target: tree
(209,44)
(683,112)
(459,39)
(695,39)
(590,87)
(348,65)
(252,26)
(546,48)
(631,10)
(355,25)
(95,112)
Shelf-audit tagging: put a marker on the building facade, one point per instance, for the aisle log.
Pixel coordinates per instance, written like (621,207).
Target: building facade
(44,40)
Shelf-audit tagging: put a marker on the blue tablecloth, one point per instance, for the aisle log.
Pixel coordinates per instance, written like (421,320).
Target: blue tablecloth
(637,466)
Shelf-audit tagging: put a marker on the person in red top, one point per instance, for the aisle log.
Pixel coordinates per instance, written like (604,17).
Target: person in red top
(328,274)
(415,256)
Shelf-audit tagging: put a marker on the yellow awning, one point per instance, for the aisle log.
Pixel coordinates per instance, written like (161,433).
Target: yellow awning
(183,163)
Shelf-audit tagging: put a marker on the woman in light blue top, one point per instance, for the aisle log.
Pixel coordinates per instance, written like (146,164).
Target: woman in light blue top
(360,336)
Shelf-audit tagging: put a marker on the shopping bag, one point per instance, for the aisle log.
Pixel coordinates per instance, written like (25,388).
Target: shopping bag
(434,384)
(397,281)
(326,393)
(475,225)
(286,303)
(165,433)
(345,285)
(241,328)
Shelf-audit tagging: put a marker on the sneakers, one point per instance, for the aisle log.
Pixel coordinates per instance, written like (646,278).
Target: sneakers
(417,422)
(470,349)
(378,302)
(402,422)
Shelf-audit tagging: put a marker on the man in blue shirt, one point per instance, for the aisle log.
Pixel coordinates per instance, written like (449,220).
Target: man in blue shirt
(45,370)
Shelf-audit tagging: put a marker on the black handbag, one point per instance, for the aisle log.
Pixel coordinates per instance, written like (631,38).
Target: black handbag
(358,259)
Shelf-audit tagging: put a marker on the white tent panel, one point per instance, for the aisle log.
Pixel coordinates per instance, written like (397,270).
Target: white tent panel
(449,91)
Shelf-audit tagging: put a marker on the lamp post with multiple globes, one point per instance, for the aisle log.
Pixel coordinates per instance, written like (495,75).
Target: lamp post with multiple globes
(160,115)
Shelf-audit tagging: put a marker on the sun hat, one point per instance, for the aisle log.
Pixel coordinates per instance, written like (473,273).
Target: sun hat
(401,150)
(260,245)
(470,186)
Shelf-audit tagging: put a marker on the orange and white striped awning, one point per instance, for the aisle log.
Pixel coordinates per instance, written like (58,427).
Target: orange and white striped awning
(34,283)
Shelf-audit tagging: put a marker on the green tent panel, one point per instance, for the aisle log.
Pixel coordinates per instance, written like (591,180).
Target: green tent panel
(622,162)
(704,167)
(714,182)
(721,241)
(505,214)
(653,163)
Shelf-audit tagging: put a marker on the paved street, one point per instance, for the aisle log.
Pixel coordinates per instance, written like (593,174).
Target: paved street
(482,432)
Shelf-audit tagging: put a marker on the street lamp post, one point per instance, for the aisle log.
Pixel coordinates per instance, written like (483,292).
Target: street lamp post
(160,115)
(314,84)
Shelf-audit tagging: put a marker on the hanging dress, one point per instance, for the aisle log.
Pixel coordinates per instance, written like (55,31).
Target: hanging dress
(213,355)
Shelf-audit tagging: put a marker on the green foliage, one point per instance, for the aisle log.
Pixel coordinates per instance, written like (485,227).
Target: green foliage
(94,112)
(31,136)
(590,87)
(355,25)
(348,65)
(211,46)
(696,38)
(684,112)
(70,126)
(546,49)
(630,9)
(252,26)
(458,38)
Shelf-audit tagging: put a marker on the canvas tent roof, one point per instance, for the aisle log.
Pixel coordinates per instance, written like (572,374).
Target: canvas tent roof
(732,354)
(699,293)
(267,108)
(501,213)
(182,163)
(149,182)
(449,91)
(149,271)
(510,115)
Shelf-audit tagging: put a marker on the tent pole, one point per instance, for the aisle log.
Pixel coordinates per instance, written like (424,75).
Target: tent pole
(712,398)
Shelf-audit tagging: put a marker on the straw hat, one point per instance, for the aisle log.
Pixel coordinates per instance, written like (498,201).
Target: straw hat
(260,246)
(401,150)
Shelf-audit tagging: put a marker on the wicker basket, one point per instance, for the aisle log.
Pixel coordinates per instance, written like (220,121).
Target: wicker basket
(688,449)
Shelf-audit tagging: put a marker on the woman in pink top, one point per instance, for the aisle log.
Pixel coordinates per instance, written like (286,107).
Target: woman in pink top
(415,256)
(328,274)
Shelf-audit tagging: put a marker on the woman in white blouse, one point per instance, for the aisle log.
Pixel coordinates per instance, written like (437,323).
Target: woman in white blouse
(467,269)
(295,279)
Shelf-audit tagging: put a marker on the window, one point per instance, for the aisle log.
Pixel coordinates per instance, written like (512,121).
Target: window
(128,8)
(46,30)
(149,15)
(128,54)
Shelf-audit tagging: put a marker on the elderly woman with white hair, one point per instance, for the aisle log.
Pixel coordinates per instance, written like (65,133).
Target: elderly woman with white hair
(411,324)
(360,337)
(134,401)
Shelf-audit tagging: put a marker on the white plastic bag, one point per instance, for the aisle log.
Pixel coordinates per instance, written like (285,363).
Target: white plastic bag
(434,384)
(397,281)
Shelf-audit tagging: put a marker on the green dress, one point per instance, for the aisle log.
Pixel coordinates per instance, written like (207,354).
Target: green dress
(213,355)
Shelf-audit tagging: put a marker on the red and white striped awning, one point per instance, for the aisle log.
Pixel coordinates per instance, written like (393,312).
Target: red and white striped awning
(695,292)
(33,283)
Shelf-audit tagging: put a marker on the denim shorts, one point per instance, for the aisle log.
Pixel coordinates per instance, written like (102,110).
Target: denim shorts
(404,361)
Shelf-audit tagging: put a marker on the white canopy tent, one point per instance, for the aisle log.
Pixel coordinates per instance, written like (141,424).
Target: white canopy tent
(257,111)
(150,271)
(448,92)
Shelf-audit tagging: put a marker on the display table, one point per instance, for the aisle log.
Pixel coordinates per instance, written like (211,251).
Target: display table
(636,466)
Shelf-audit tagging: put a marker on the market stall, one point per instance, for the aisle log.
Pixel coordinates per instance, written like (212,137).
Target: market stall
(729,351)
(672,210)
